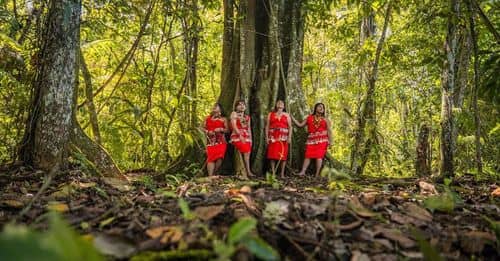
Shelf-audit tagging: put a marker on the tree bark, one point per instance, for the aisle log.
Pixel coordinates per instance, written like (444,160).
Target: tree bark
(447,143)
(45,144)
(477,122)
(422,163)
(261,62)
(52,126)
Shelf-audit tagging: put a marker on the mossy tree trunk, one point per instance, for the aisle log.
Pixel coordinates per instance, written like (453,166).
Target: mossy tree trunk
(52,130)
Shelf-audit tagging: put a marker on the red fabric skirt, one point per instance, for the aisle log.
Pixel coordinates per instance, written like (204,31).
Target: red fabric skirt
(216,152)
(243,147)
(316,151)
(277,150)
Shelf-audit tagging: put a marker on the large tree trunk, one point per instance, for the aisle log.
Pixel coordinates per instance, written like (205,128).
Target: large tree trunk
(52,126)
(45,144)
(261,62)
(447,89)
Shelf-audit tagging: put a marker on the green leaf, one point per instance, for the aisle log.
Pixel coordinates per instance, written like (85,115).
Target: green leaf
(19,243)
(60,242)
(260,248)
(186,212)
(240,229)
(224,251)
(444,202)
(67,243)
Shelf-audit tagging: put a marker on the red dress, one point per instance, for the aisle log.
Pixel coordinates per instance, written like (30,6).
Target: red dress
(277,149)
(317,139)
(216,142)
(243,145)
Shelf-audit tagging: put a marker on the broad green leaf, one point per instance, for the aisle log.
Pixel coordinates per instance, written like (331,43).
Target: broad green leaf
(240,229)
(260,248)
(186,212)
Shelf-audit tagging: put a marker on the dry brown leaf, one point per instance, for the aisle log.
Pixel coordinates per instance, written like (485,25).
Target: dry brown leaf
(245,189)
(118,183)
(427,188)
(57,206)
(181,190)
(12,203)
(358,256)
(473,242)
(208,212)
(168,234)
(496,192)
(86,185)
(368,198)
(417,212)
(395,235)
(359,209)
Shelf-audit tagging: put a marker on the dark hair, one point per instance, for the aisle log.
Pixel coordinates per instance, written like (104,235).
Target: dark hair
(238,102)
(221,109)
(316,107)
(276,109)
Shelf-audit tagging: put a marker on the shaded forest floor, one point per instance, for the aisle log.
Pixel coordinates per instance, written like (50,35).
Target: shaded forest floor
(302,218)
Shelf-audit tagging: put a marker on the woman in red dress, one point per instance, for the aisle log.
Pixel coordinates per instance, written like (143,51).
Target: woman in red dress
(318,139)
(278,136)
(215,127)
(241,136)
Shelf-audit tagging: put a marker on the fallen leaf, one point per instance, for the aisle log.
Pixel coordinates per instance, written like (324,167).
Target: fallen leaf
(117,183)
(368,198)
(427,188)
(246,189)
(86,185)
(412,254)
(384,242)
(473,242)
(106,222)
(12,203)
(496,192)
(182,189)
(359,209)
(57,206)
(208,212)
(289,189)
(114,246)
(395,235)
(385,257)
(168,234)
(358,256)
(245,198)
(417,212)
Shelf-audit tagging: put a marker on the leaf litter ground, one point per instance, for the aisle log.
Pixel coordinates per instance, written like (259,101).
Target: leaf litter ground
(302,218)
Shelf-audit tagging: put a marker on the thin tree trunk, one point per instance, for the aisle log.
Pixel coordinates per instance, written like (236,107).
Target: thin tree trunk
(422,164)
(368,112)
(90,99)
(486,21)
(477,122)
(447,143)
(366,31)
(124,63)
